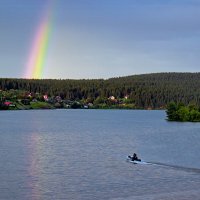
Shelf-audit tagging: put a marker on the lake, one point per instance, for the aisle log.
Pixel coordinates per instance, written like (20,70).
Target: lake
(81,154)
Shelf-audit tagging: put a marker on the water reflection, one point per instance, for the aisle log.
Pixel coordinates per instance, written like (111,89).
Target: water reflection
(37,164)
(48,166)
(38,153)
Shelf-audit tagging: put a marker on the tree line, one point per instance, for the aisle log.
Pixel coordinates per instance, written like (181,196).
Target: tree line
(147,91)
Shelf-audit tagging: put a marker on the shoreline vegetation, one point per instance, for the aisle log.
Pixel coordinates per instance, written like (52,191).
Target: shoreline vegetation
(41,102)
(147,91)
(180,112)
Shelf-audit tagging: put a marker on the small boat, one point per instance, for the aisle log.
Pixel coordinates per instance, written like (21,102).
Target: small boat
(135,161)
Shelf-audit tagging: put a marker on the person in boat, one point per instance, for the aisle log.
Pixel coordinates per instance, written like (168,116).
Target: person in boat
(134,157)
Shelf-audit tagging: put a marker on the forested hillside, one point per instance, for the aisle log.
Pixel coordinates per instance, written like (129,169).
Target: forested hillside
(143,91)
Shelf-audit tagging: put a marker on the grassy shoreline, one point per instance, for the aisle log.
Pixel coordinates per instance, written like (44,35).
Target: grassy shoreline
(41,105)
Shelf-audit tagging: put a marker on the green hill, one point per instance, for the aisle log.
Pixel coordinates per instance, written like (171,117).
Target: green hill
(148,91)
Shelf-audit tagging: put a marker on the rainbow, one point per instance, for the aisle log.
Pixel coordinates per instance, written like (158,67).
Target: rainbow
(36,60)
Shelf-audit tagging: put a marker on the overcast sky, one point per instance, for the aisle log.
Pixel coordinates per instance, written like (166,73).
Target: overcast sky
(102,38)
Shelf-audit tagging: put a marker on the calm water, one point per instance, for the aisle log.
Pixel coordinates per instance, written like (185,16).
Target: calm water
(81,154)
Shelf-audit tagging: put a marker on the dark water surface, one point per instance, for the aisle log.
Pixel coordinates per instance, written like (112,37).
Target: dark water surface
(81,154)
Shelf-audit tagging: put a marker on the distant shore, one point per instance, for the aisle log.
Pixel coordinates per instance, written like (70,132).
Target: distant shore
(41,105)
(25,104)
(145,92)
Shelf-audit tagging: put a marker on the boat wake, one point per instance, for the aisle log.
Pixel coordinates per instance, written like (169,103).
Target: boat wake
(175,167)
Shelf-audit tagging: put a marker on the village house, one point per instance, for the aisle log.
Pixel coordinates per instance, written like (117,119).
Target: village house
(9,104)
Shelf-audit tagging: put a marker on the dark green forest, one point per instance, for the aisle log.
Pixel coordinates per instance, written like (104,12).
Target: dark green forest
(147,91)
